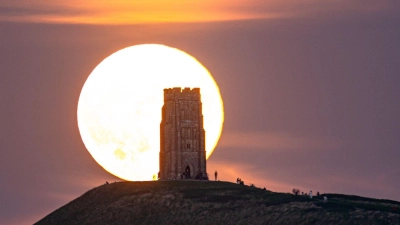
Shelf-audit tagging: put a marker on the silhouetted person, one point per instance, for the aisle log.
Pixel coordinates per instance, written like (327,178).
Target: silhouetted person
(317,193)
(106,182)
(216,175)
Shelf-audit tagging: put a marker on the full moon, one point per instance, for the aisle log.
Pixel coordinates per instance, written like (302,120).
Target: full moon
(119,108)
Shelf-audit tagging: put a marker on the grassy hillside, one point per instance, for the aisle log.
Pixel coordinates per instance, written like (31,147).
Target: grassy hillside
(208,202)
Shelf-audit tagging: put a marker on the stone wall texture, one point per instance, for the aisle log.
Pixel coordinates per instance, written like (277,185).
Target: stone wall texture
(182,150)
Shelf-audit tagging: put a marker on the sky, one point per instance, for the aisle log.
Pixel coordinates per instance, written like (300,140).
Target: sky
(310,91)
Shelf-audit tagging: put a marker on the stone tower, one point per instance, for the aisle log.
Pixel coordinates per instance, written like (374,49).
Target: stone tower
(182,152)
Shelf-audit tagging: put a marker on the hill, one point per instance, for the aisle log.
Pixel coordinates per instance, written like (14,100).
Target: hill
(209,202)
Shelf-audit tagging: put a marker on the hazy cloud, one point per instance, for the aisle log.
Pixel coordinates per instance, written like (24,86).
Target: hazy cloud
(274,141)
(155,11)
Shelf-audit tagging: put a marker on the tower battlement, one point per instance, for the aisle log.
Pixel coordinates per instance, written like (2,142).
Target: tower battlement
(179,93)
(182,136)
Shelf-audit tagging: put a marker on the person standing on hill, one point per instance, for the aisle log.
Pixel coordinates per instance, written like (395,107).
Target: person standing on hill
(310,194)
(216,175)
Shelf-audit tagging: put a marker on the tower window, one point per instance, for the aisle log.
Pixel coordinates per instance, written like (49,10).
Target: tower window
(188,146)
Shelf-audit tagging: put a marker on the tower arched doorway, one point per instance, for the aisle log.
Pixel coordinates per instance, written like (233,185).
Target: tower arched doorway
(187,172)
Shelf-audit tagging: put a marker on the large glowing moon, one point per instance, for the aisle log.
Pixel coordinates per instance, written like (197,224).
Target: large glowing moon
(119,108)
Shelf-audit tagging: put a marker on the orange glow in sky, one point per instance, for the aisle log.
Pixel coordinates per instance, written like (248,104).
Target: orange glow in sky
(162,11)
(131,12)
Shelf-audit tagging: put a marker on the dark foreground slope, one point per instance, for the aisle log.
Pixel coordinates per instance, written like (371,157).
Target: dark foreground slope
(207,202)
